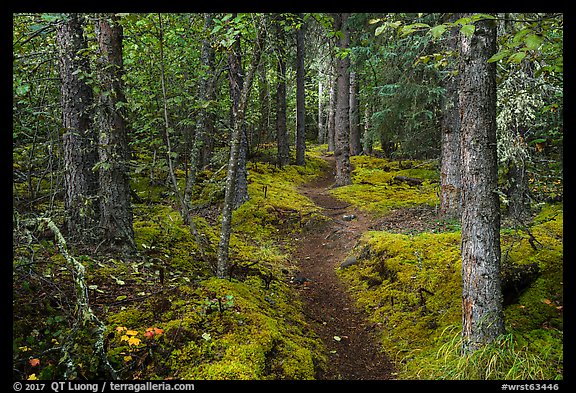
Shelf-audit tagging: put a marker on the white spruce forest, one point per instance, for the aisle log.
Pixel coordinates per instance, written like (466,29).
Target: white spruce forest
(287,196)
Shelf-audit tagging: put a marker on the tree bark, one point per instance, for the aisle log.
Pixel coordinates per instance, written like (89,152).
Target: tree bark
(79,139)
(342,118)
(331,126)
(450,205)
(199,153)
(115,208)
(238,112)
(482,315)
(281,128)
(321,118)
(300,96)
(355,141)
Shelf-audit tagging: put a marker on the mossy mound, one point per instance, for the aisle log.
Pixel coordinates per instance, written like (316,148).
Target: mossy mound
(376,189)
(410,285)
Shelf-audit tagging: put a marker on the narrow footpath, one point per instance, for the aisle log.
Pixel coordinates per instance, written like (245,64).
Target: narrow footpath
(353,350)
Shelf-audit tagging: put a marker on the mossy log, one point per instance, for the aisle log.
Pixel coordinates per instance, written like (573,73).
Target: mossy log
(412,181)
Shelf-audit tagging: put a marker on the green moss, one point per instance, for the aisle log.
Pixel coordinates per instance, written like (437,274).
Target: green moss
(253,339)
(373,188)
(411,286)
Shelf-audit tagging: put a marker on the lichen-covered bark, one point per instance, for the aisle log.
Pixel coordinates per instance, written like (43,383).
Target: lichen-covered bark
(300,97)
(482,316)
(79,139)
(115,208)
(342,118)
(450,205)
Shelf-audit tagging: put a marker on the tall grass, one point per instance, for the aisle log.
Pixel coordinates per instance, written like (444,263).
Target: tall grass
(503,359)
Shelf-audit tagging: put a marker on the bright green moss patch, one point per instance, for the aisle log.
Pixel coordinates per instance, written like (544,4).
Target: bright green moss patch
(375,189)
(411,286)
(233,330)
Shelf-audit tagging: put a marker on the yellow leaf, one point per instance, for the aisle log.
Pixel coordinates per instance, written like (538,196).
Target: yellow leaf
(124,338)
(120,329)
(32,377)
(127,358)
(133,341)
(132,333)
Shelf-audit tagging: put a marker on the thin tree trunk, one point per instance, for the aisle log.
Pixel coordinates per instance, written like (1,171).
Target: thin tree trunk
(331,114)
(367,136)
(205,93)
(321,118)
(342,120)
(482,315)
(222,267)
(300,96)
(115,208)
(79,139)
(355,143)
(281,128)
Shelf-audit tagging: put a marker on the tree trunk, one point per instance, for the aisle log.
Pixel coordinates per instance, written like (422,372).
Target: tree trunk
(355,142)
(321,124)
(238,112)
(331,114)
(281,128)
(367,140)
(205,95)
(482,316)
(450,205)
(115,208)
(342,120)
(79,139)
(300,96)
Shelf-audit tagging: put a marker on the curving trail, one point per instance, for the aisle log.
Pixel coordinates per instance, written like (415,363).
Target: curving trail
(328,308)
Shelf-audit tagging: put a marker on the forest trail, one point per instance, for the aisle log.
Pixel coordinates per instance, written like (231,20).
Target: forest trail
(353,350)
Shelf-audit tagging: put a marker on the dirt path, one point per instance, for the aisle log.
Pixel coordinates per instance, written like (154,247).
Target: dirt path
(329,309)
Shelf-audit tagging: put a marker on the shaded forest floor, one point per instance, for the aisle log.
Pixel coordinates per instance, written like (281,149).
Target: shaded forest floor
(353,350)
(289,311)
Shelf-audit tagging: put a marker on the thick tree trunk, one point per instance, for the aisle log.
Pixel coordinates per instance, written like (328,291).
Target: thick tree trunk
(342,121)
(300,97)
(482,316)
(281,128)
(115,208)
(355,141)
(450,205)
(79,139)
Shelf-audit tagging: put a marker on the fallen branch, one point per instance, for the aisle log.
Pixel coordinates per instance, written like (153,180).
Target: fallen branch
(84,311)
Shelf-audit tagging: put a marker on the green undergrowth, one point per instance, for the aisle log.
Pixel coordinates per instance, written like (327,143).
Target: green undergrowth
(167,316)
(410,285)
(374,188)
(247,327)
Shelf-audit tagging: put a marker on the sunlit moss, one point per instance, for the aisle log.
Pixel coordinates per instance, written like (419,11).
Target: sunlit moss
(375,190)
(410,285)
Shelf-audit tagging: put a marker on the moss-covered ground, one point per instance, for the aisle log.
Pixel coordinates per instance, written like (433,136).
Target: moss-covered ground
(409,282)
(168,317)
